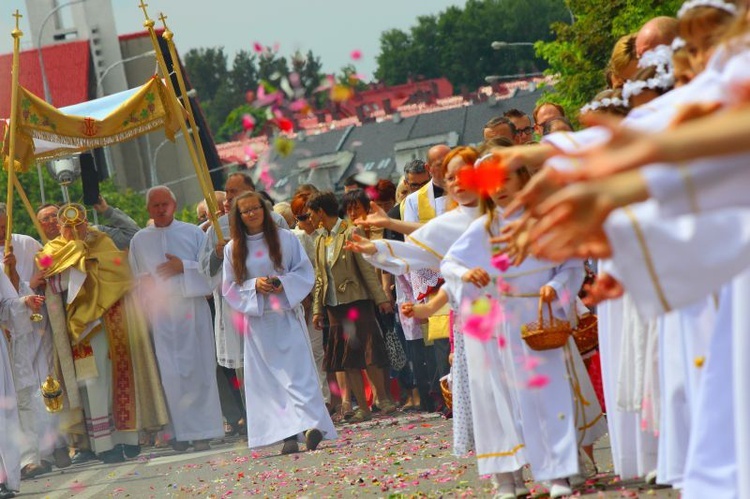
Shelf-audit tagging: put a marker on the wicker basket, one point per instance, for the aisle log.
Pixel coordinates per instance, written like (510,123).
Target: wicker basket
(546,334)
(586,333)
(446,391)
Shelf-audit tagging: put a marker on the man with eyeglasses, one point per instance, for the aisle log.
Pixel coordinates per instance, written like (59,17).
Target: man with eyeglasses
(545,112)
(118,225)
(524,130)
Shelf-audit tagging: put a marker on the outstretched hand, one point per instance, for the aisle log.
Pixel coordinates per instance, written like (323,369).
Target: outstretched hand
(377,217)
(360,244)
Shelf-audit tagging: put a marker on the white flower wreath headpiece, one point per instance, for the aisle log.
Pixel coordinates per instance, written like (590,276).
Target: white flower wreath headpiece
(716,4)
(678,43)
(661,58)
(604,104)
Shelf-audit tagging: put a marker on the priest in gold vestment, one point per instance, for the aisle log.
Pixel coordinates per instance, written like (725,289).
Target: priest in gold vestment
(109,369)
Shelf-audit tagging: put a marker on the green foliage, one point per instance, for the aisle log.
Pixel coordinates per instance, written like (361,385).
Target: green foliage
(580,52)
(223,92)
(457,42)
(232,126)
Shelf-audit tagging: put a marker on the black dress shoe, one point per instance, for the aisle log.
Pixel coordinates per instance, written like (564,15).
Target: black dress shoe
(5,493)
(82,456)
(112,456)
(131,451)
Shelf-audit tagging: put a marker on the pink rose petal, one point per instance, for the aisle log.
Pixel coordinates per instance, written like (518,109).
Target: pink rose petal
(356,55)
(537,381)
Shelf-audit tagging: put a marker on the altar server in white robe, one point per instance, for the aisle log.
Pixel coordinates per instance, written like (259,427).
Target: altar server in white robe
(32,359)
(10,429)
(164,259)
(266,276)
(424,248)
(498,432)
(555,417)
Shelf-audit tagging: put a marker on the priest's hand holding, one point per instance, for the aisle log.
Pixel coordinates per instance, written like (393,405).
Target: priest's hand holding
(476,276)
(360,244)
(548,294)
(172,267)
(9,260)
(37,280)
(318,322)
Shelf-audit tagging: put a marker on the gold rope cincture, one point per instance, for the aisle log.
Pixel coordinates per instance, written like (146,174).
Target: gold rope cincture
(210,196)
(208,190)
(575,385)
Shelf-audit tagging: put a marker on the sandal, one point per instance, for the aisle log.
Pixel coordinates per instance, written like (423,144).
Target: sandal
(387,407)
(346,411)
(360,416)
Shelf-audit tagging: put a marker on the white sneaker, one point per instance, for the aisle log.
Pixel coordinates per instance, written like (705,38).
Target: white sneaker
(560,488)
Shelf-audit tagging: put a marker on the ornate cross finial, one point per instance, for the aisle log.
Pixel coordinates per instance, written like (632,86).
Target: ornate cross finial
(163,19)
(143,6)
(18,17)
(17,32)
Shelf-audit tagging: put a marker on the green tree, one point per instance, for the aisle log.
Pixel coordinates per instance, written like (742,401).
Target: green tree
(232,126)
(207,70)
(581,51)
(244,74)
(457,42)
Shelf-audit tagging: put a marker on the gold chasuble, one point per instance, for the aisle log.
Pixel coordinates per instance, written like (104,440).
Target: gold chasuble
(108,279)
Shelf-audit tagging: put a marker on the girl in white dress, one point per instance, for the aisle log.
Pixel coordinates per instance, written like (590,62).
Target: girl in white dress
(557,409)
(423,249)
(266,276)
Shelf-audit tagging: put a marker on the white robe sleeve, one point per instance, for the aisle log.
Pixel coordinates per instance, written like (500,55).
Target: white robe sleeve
(398,257)
(299,277)
(667,264)
(703,185)
(241,297)
(210,264)
(567,280)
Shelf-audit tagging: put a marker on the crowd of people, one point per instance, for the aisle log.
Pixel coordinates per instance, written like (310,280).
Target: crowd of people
(438,293)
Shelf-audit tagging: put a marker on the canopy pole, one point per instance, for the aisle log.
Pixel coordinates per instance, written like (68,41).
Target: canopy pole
(208,191)
(30,210)
(12,124)
(168,36)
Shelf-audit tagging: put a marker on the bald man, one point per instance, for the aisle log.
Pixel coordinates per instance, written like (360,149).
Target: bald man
(658,31)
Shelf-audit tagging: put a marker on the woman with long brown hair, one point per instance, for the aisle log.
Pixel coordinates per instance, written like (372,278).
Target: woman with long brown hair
(266,277)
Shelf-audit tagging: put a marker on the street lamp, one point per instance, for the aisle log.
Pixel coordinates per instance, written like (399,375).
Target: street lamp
(45,83)
(496,78)
(499,45)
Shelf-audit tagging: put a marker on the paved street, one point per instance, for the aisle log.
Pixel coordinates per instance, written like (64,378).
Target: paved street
(404,456)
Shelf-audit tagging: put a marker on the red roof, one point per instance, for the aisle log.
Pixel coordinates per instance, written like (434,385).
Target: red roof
(66,66)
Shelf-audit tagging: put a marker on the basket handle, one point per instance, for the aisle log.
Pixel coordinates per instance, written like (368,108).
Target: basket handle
(541,314)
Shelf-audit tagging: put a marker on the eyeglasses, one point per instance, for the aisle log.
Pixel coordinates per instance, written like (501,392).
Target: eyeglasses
(416,185)
(48,219)
(527,131)
(304,217)
(251,210)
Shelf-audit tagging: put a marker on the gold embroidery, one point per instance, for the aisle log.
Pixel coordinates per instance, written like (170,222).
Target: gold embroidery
(390,249)
(589,425)
(425,247)
(648,260)
(511,452)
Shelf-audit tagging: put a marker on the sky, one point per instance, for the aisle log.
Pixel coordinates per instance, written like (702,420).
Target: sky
(332,29)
